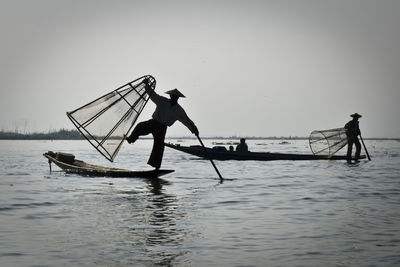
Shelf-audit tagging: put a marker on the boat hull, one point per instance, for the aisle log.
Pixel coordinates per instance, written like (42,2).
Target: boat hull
(69,164)
(217,154)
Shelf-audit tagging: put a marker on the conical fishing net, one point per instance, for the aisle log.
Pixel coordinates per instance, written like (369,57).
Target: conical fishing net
(327,142)
(106,121)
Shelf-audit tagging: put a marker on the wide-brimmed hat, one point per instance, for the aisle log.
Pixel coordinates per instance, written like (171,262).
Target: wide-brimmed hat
(355,115)
(175,92)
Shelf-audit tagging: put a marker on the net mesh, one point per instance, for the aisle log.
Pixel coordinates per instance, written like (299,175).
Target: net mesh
(327,142)
(106,121)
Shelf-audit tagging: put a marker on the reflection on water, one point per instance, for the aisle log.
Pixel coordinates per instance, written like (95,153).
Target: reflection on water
(145,224)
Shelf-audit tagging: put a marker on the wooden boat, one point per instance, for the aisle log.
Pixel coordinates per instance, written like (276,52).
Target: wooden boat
(221,153)
(69,164)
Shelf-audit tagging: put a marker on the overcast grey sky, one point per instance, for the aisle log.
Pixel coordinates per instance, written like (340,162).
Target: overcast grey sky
(255,68)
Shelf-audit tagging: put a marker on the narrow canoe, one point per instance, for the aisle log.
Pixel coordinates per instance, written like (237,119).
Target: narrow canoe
(69,164)
(218,153)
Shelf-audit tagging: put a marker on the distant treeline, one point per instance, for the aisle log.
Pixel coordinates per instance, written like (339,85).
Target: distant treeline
(55,135)
(64,134)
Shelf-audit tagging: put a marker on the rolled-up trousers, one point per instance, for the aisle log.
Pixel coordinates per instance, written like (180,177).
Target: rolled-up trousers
(350,142)
(158,130)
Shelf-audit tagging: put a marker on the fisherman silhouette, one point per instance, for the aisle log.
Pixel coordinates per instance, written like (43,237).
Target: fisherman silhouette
(352,131)
(167,112)
(242,147)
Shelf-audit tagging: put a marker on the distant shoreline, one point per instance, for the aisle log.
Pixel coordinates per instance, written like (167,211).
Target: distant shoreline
(76,135)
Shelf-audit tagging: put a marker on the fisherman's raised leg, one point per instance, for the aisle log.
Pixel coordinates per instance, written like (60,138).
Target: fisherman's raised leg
(143,128)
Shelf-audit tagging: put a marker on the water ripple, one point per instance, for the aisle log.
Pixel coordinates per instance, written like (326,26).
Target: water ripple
(282,213)
(5,207)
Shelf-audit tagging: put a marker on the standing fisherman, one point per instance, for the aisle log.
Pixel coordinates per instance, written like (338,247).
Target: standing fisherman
(352,131)
(167,112)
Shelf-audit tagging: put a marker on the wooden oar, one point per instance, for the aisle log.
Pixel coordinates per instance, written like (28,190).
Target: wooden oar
(212,162)
(365,148)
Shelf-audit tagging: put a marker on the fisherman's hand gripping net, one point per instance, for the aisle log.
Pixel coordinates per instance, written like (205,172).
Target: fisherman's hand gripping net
(106,121)
(327,142)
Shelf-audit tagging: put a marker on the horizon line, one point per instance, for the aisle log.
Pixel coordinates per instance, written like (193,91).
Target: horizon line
(79,136)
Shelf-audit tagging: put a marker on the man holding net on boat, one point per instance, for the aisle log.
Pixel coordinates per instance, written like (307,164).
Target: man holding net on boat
(167,112)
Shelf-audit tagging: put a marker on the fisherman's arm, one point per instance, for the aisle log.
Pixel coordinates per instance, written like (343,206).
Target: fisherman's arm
(188,122)
(153,95)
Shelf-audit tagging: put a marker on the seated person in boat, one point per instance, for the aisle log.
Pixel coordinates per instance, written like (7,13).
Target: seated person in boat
(231,149)
(242,147)
(167,112)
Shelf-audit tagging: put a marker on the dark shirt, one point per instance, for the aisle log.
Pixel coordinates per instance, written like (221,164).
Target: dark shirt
(242,147)
(352,128)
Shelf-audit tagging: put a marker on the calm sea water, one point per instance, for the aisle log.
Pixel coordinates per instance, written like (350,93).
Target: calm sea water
(278,213)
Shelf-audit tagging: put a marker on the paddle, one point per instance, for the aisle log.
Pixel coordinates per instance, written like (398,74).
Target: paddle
(365,148)
(212,162)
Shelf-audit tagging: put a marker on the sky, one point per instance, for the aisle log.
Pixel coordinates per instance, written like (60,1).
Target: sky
(247,68)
